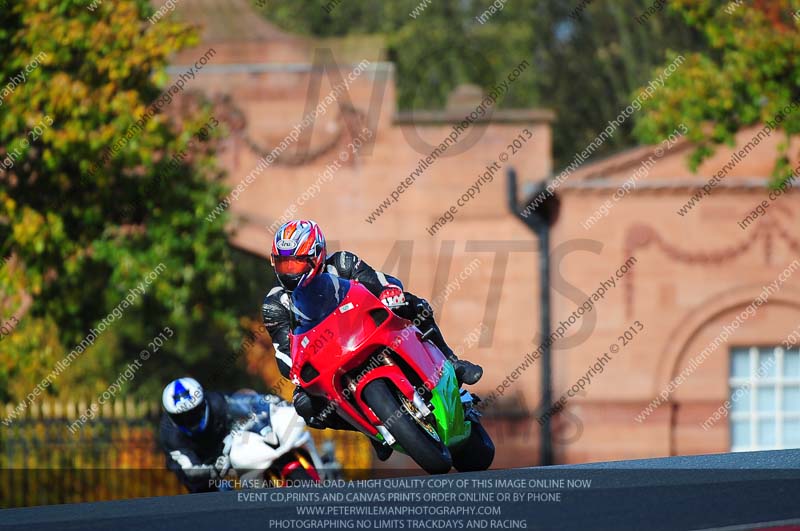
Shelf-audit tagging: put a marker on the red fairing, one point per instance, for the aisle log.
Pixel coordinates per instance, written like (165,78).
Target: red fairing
(346,340)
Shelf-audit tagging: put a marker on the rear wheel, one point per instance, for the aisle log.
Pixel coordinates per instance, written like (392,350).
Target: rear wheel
(476,453)
(418,439)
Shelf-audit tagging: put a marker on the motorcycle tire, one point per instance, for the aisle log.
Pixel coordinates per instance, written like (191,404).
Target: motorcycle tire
(300,475)
(428,453)
(476,453)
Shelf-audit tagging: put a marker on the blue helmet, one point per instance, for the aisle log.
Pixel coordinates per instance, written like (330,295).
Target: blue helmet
(185,403)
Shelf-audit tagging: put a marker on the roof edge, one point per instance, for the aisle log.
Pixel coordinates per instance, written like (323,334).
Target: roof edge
(453,117)
(249,68)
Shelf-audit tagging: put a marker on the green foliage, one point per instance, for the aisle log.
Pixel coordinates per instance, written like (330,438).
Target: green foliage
(83,236)
(441,48)
(592,65)
(750,73)
(584,67)
(312,17)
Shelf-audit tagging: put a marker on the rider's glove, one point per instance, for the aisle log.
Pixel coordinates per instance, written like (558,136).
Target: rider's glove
(261,408)
(227,442)
(393,297)
(316,422)
(222,465)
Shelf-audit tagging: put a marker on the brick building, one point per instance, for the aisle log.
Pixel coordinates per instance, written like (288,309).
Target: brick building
(692,274)
(718,302)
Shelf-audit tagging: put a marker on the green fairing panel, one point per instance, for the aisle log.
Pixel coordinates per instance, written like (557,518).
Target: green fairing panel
(447,409)
(451,426)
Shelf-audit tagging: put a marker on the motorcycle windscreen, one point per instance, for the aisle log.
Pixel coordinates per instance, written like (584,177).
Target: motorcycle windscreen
(316,301)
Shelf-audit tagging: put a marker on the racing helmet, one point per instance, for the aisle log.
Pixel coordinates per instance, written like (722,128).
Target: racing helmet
(185,403)
(298,253)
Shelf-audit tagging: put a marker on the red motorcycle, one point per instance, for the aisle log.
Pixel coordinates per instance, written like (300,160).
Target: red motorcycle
(380,374)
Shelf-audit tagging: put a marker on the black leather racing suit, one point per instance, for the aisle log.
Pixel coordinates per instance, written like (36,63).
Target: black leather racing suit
(192,458)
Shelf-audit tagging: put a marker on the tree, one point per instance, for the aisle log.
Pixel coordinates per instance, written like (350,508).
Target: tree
(748,76)
(591,62)
(93,200)
(439,48)
(585,64)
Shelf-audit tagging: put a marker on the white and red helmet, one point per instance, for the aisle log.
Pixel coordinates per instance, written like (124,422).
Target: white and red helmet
(298,253)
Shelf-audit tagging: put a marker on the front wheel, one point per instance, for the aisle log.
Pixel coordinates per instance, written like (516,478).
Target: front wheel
(417,441)
(295,469)
(300,476)
(477,452)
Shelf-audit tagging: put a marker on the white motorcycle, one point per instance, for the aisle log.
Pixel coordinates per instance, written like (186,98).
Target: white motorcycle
(273,449)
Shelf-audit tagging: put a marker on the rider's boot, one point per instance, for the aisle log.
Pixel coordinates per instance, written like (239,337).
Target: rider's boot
(466,372)
(318,413)
(422,312)
(305,407)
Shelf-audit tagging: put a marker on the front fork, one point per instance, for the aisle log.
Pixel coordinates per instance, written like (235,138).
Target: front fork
(445,412)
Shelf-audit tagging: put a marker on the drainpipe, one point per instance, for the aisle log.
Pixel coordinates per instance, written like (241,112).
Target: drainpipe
(539,221)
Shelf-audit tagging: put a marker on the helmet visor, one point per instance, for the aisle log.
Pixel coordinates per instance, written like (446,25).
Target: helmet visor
(293,265)
(193,419)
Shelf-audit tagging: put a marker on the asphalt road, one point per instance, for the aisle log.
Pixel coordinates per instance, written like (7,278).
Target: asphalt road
(759,490)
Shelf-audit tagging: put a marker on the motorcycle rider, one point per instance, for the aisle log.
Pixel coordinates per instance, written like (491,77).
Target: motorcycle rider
(298,255)
(194,428)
